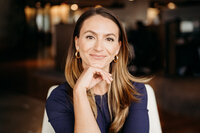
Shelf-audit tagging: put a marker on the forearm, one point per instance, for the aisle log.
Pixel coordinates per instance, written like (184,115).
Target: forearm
(84,119)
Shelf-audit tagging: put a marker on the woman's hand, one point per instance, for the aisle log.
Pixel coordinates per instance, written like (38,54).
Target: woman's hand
(90,77)
(85,121)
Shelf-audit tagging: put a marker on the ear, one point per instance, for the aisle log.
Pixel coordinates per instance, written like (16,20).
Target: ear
(118,47)
(76,43)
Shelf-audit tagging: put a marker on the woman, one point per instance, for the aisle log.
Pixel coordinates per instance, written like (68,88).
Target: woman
(100,95)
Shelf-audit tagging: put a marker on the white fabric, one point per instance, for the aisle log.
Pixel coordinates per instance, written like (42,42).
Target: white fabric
(46,126)
(154,120)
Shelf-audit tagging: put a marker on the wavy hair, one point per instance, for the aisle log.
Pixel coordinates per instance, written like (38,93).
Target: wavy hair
(122,91)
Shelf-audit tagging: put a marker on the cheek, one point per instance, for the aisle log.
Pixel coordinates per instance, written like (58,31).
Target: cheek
(84,45)
(112,49)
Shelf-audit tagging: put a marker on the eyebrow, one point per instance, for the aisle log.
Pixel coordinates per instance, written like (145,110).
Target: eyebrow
(90,31)
(96,33)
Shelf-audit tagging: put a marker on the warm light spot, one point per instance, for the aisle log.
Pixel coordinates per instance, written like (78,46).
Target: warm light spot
(64,12)
(130,0)
(97,6)
(30,13)
(55,15)
(152,15)
(74,7)
(171,5)
(59,13)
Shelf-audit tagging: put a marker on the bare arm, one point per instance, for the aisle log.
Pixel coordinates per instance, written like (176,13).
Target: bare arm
(84,118)
(85,121)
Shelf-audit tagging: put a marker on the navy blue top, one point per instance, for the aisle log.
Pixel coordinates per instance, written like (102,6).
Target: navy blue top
(61,114)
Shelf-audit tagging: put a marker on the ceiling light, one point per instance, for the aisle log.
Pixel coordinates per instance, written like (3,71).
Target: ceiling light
(171,5)
(74,7)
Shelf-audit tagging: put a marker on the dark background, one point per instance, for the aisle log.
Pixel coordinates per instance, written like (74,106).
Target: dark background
(32,58)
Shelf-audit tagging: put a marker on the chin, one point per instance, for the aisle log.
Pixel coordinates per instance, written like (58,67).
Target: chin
(97,65)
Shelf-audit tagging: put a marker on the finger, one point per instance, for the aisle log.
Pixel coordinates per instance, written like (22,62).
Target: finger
(107,77)
(110,76)
(103,74)
(94,82)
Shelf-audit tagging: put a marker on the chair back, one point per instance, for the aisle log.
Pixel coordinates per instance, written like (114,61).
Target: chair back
(154,119)
(46,126)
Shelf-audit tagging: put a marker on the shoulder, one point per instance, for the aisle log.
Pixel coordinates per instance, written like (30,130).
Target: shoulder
(59,98)
(142,103)
(60,91)
(59,109)
(140,88)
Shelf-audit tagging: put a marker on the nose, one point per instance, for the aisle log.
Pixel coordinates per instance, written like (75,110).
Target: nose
(98,45)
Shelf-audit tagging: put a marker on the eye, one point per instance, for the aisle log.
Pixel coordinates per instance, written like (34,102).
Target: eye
(90,37)
(110,39)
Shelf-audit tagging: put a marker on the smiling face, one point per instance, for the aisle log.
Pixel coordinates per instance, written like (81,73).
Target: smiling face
(98,42)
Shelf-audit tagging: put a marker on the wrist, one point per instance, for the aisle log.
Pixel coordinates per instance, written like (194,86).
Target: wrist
(79,92)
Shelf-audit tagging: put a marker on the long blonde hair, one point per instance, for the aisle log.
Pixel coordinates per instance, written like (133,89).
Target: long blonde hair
(122,91)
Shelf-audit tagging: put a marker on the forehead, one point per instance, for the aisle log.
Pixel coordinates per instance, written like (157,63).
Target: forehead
(100,24)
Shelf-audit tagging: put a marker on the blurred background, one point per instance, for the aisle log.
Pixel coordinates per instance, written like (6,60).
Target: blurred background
(164,37)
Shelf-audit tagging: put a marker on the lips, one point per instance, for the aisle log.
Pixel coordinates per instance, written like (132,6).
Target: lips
(98,57)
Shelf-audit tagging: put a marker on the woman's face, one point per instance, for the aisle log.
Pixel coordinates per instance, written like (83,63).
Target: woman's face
(98,42)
